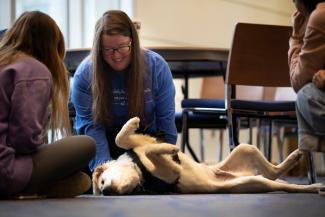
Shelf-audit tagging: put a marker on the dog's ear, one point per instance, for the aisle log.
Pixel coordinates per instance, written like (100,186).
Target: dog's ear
(98,171)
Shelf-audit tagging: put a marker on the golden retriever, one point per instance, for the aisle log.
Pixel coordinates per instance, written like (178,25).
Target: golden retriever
(245,170)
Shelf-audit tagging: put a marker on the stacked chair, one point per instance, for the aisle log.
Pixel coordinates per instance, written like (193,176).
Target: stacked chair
(207,112)
(200,114)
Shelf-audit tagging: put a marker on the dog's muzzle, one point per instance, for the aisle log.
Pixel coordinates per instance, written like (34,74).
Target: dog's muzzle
(109,191)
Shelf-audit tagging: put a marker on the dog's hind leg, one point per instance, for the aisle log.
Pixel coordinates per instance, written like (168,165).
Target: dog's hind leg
(259,184)
(248,160)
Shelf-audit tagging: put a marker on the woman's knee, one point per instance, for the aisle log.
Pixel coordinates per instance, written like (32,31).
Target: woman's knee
(81,145)
(86,144)
(302,96)
(308,95)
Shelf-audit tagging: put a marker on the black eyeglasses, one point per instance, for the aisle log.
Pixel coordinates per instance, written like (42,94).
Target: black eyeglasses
(123,49)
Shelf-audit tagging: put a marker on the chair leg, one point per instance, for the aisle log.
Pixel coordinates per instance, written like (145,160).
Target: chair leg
(269,142)
(202,145)
(184,130)
(311,167)
(185,136)
(192,152)
(265,138)
(233,132)
(259,132)
(279,141)
(229,126)
(250,129)
(220,144)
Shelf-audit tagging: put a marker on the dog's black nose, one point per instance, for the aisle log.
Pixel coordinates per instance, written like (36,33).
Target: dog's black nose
(108,191)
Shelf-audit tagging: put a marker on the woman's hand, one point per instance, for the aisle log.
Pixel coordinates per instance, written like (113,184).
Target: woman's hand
(319,79)
(299,21)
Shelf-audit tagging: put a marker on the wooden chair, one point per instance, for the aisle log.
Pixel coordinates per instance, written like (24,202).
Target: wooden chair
(258,57)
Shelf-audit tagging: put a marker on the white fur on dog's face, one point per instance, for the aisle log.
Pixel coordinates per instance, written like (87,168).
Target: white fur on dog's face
(116,177)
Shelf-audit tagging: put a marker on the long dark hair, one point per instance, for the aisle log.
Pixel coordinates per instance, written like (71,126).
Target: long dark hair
(310,5)
(36,34)
(115,22)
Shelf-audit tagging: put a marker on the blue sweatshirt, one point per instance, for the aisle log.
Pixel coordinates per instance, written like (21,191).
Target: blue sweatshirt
(159,104)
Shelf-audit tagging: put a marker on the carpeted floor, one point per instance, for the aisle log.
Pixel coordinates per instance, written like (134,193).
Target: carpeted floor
(214,205)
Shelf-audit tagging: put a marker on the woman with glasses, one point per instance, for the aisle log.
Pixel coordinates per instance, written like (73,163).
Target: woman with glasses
(306,61)
(120,80)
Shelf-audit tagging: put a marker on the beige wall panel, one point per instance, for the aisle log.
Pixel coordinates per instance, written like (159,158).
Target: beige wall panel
(207,23)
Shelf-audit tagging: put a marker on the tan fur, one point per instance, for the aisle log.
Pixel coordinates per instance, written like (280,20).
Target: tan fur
(96,174)
(245,170)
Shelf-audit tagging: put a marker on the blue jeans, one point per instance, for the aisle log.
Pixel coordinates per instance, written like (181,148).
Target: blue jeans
(310,108)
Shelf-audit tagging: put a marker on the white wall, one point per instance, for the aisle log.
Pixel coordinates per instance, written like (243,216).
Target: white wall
(204,22)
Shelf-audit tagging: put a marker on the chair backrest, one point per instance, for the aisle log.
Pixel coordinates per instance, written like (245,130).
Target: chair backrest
(258,56)
(213,87)
(73,58)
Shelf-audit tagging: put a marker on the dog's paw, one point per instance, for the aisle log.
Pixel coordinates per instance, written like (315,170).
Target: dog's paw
(295,156)
(290,162)
(316,187)
(128,129)
(175,150)
(132,125)
(166,148)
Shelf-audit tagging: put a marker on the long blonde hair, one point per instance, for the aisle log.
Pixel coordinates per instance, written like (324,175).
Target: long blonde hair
(115,22)
(36,34)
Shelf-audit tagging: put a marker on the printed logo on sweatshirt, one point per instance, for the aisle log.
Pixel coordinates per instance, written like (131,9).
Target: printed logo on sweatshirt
(120,97)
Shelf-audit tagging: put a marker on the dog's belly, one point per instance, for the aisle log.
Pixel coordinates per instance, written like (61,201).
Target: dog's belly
(196,178)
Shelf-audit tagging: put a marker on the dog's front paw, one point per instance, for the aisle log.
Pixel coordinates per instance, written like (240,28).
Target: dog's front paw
(174,150)
(128,129)
(132,125)
(165,148)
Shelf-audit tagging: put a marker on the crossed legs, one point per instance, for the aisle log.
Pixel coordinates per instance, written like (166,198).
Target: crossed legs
(59,160)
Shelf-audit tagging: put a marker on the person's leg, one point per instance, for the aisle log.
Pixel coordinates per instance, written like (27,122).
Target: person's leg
(311,116)
(311,110)
(59,161)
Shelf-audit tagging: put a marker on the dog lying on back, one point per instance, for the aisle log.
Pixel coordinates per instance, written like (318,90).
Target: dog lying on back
(245,170)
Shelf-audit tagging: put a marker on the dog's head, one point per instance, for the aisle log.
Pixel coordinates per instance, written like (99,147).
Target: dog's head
(116,177)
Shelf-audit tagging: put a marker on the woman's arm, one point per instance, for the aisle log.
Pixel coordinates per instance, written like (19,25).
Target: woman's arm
(165,101)
(307,51)
(84,124)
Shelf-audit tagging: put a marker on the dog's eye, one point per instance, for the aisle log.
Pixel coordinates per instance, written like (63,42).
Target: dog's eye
(103,182)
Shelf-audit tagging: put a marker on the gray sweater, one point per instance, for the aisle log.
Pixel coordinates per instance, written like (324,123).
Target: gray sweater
(25,93)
